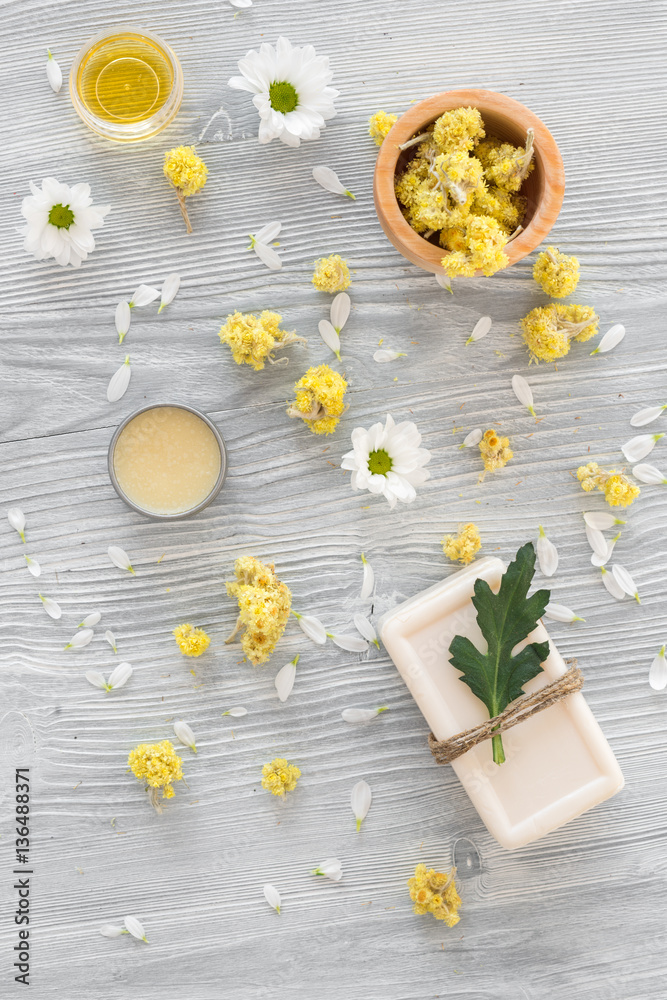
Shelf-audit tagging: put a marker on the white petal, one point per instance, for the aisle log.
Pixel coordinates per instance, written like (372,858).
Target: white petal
(268,256)
(33,566)
(360,714)
(445,282)
(51,607)
(135,928)
(143,296)
(95,678)
(185,735)
(268,232)
(547,554)
(612,586)
(236,713)
(111,639)
(284,681)
(329,336)
(649,474)
(119,382)
(473,438)
(625,581)
(16,518)
(312,627)
(340,311)
(384,355)
(480,329)
(598,560)
(110,930)
(328,178)
(601,521)
(272,896)
(639,447)
(647,416)
(657,677)
(169,289)
(597,541)
(523,392)
(120,558)
(241,3)
(612,337)
(360,800)
(559,613)
(123,319)
(368,581)
(351,643)
(120,675)
(54,74)
(80,639)
(331,868)
(364,627)
(90,620)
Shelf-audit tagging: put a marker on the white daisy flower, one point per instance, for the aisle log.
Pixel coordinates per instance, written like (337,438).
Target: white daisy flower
(328,179)
(360,800)
(272,896)
(16,519)
(119,381)
(184,735)
(285,678)
(368,581)
(387,460)
(385,354)
(60,221)
(639,447)
(480,329)
(54,74)
(473,438)
(290,88)
(331,868)
(547,554)
(612,337)
(362,714)
(312,627)
(647,416)
(259,242)
(523,392)
(649,474)
(168,293)
(657,676)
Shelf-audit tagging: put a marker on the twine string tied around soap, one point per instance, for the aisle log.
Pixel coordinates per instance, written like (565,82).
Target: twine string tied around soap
(445,751)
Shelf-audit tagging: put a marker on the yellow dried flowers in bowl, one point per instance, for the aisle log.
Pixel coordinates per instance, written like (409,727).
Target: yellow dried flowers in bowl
(468,182)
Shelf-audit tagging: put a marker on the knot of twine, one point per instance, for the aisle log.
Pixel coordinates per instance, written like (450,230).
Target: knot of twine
(445,751)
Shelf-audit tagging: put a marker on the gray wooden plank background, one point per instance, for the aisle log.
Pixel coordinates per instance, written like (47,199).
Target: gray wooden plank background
(578,914)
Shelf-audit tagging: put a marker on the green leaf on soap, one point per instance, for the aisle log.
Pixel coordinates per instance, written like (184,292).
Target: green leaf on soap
(505,619)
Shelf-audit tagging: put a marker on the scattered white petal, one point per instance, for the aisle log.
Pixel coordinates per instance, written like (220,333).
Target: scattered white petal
(649,474)
(559,613)
(111,639)
(598,560)
(340,311)
(547,554)
(312,627)
(361,714)
(169,290)
(657,676)
(523,392)
(33,566)
(135,928)
(351,643)
(597,541)
(110,930)
(120,380)
(267,255)
(445,282)
(236,713)
(331,868)
(472,439)
(185,735)
(601,521)
(143,296)
(328,178)
(80,639)
(16,518)
(639,447)
(51,607)
(612,337)
(648,415)
(285,679)
(360,800)
(625,581)
(368,581)
(480,329)
(120,675)
(123,319)
(90,620)
(242,4)
(54,74)
(120,558)
(364,627)
(95,678)
(612,586)
(272,896)
(268,232)
(329,336)
(384,355)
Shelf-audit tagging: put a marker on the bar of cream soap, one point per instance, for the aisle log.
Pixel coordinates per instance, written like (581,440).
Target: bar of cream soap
(558,764)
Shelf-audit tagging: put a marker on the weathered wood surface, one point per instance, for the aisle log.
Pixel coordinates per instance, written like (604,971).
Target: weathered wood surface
(579,914)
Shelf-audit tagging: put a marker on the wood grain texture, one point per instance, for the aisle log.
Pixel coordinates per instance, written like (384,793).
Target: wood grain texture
(579,914)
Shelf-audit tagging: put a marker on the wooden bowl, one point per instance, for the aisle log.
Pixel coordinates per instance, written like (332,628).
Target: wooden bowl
(504,119)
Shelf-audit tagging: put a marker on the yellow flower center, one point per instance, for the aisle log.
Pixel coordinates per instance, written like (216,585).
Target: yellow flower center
(61,216)
(379,462)
(283,97)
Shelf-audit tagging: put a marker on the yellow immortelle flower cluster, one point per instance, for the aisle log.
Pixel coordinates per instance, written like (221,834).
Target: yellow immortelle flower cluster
(495,451)
(434,892)
(264,607)
(319,400)
(185,169)
(548,330)
(618,491)
(557,273)
(471,199)
(464,546)
(379,125)
(280,776)
(191,641)
(253,339)
(331,274)
(158,765)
